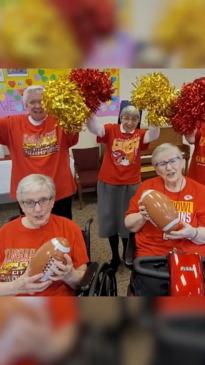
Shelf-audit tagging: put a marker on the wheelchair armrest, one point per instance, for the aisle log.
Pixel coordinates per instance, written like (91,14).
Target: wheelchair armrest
(87,224)
(138,266)
(130,251)
(87,279)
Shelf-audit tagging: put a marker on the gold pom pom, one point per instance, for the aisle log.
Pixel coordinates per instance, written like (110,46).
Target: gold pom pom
(180,32)
(154,93)
(63,100)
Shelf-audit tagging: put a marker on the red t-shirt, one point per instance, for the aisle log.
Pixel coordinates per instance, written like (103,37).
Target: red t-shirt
(121,162)
(18,244)
(197,165)
(190,207)
(41,149)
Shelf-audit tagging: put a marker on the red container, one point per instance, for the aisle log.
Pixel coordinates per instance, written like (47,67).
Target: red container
(186,274)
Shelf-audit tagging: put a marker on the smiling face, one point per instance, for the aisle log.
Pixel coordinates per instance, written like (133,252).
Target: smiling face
(34,106)
(169,166)
(129,122)
(37,206)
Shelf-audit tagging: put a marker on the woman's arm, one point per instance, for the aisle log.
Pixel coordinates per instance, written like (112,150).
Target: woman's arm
(134,222)
(24,285)
(194,234)
(95,127)
(190,138)
(151,134)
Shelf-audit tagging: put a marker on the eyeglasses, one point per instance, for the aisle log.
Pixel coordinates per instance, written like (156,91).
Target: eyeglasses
(127,117)
(172,162)
(43,202)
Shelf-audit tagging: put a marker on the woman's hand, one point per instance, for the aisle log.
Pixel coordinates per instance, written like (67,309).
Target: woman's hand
(187,232)
(30,284)
(145,214)
(62,271)
(67,272)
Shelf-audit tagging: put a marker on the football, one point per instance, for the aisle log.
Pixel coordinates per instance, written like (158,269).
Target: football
(43,259)
(161,210)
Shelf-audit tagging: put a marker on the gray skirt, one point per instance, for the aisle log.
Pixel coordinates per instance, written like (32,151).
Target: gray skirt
(113,201)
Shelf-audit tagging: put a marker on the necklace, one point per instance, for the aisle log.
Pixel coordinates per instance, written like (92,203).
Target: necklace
(183,180)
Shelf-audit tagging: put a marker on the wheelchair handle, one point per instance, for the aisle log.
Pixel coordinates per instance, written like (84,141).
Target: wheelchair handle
(138,266)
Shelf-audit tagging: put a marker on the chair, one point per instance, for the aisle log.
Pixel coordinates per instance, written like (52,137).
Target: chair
(87,165)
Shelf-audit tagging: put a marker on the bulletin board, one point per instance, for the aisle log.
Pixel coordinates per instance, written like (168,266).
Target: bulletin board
(14,81)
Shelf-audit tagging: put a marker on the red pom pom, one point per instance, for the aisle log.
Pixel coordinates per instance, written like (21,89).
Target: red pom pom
(189,107)
(94,85)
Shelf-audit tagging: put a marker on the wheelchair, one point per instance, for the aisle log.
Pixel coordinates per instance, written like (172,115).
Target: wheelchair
(177,274)
(99,279)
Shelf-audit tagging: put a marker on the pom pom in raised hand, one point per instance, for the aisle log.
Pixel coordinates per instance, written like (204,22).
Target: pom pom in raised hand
(94,85)
(73,97)
(189,107)
(154,93)
(63,100)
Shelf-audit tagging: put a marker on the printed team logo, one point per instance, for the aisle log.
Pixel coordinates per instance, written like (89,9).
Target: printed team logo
(15,263)
(188,197)
(124,152)
(12,271)
(40,145)
(185,209)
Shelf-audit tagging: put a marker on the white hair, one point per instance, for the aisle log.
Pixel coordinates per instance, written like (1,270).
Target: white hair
(31,89)
(131,111)
(34,182)
(165,147)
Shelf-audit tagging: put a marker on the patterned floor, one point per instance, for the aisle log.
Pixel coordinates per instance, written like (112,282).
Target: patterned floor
(99,247)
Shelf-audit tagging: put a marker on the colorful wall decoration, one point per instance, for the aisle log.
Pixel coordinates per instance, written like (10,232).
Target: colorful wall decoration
(14,81)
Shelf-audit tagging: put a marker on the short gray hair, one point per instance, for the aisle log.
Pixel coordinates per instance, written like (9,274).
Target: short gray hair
(31,89)
(34,182)
(130,110)
(164,147)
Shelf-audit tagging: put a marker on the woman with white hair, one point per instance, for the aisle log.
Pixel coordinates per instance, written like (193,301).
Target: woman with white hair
(20,238)
(187,196)
(119,176)
(38,145)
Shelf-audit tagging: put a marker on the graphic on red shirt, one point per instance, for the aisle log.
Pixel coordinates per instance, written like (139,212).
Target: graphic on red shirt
(15,263)
(121,160)
(196,168)
(124,151)
(185,210)
(40,145)
(200,155)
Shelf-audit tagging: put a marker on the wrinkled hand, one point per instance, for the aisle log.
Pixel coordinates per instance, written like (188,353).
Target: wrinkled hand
(29,284)
(145,214)
(185,233)
(62,271)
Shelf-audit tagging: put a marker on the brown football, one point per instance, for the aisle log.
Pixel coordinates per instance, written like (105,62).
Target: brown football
(161,210)
(42,260)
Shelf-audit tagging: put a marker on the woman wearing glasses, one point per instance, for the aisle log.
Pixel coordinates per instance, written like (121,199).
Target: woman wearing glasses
(187,196)
(20,238)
